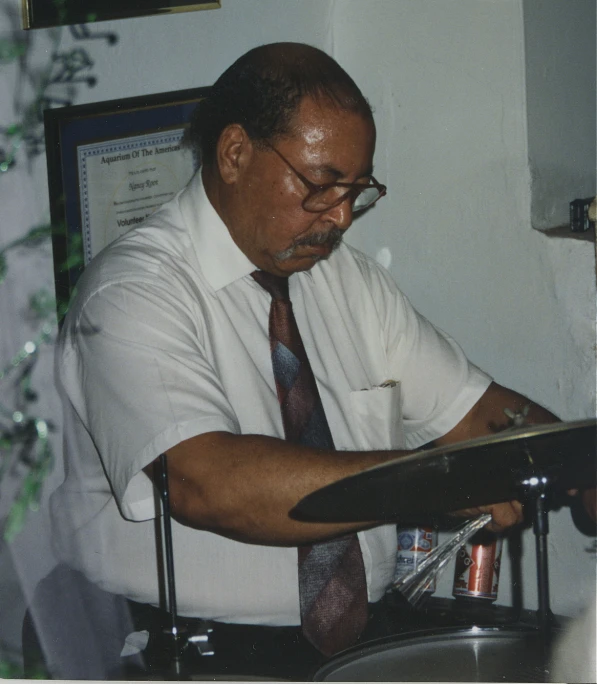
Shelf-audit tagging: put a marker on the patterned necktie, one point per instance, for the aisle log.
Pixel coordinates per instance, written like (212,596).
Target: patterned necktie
(332,585)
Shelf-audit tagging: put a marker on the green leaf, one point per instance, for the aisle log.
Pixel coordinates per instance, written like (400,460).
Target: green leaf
(37,234)
(14,129)
(11,50)
(42,304)
(9,671)
(15,519)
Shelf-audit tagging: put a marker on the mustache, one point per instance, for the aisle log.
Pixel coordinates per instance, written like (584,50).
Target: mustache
(330,238)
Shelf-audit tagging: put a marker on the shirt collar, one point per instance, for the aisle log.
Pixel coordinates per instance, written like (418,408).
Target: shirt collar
(219,257)
(221,261)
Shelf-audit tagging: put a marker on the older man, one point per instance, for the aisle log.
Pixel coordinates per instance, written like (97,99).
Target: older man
(182,340)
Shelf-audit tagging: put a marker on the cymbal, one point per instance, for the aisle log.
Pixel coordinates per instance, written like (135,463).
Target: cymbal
(477,472)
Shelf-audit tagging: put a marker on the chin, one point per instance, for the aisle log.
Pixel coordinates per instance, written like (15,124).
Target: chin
(295,264)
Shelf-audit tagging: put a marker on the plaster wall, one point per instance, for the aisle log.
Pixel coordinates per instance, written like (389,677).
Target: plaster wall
(450,92)
(447,82)
(560,74)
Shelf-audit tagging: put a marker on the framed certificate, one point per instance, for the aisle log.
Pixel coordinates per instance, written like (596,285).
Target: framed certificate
(110,165)
(44,13)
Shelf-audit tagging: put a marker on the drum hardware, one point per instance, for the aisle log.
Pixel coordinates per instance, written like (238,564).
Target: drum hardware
(535,490)
(179,640)
(202,643)
(462,654)
(527,463)
(477,472)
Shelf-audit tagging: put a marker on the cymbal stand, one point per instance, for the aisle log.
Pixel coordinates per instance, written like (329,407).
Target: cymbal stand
(179,638)
(536,487)
(176,647)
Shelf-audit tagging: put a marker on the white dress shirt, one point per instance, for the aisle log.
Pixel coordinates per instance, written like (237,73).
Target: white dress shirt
(168,338)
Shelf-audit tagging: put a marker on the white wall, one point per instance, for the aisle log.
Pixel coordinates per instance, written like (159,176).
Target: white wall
(447,81)
(157,54)
(560,74)
(449,91)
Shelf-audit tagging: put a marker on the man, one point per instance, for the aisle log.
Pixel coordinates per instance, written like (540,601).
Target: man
(168,348)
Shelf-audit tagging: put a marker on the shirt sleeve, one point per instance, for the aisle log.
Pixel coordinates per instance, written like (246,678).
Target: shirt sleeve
(439,385)
(141,382)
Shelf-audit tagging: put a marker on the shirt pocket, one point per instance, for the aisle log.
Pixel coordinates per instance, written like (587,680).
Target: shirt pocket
(377,414)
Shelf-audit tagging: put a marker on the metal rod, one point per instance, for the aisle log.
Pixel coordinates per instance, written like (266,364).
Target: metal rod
(165,494)
(544,614)
(541,529)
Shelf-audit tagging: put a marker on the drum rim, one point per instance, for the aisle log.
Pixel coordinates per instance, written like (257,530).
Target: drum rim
(382,644)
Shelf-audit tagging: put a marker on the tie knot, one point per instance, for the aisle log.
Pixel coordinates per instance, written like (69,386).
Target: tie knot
(277,286)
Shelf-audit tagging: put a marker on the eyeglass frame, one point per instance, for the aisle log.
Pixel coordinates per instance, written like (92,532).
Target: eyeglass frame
(313,188)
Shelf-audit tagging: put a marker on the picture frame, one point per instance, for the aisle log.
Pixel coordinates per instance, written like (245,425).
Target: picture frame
(110,165)
(47,13)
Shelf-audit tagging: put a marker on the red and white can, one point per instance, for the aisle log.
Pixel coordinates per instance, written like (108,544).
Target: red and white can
(414,545)
(477,571)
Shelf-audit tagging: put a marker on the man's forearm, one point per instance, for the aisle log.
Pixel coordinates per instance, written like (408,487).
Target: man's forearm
(243,486)
(490,415)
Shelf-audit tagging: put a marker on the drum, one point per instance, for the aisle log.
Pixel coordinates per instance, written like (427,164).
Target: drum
(470,654)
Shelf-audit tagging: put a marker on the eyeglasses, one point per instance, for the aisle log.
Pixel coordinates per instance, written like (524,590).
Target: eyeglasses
(330,195)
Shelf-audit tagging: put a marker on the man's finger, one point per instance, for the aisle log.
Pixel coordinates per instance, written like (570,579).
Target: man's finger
(505,515)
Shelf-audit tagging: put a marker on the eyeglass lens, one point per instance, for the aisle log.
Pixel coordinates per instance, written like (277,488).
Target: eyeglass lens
(335,195)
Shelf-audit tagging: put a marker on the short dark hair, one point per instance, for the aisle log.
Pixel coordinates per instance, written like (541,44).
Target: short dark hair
(262,91)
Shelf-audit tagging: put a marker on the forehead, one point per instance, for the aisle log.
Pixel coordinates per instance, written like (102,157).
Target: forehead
(322,134)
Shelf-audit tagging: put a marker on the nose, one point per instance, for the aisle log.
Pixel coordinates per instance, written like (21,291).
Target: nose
(341,214)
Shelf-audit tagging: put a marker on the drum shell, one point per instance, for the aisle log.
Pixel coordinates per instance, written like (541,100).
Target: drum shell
(472,654)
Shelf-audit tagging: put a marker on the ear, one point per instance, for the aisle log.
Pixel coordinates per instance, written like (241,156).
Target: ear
(233,151)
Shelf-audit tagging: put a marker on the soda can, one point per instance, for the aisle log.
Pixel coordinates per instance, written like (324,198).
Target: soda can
(414,545)
(477,570)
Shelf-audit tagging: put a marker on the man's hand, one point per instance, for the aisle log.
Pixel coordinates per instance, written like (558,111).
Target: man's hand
(490,415)
(503,515)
